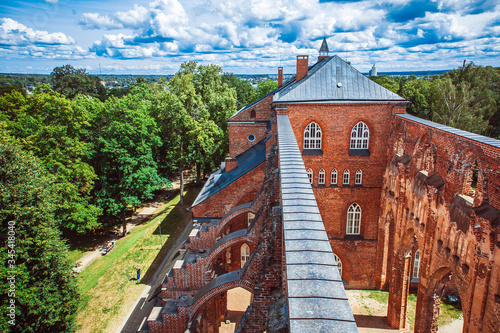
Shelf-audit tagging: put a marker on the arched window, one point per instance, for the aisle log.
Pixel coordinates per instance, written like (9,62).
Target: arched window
(252,113)
(353,219)
(250,217)
(312,136)
(345,179)
(333,177)
(321,176)
(245,254)
(358,178)
(360,136)
(339,264)
(416,265)
(310,175)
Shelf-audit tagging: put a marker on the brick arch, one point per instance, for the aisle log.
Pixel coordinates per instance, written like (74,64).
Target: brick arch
(230,217)
(302,126)
(250,239)
(428,300)
(371,130)
(201,301)
(345,208)
(388,247)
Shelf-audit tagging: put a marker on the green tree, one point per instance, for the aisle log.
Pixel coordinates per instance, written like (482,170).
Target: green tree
(45,296)
(387,82)
(418,92)
(263,88)
(451,107)
(51,127)
(243,88)
(124,135)
(70,82)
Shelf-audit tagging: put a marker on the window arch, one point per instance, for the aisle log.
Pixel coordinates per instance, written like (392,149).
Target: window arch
(416,265)
(252,113)
(358,177)
(245,254)
(321,176)
(345,178)
(333,177)
(360,136)
(339,264)
(312,136)
(310,175)
(353,219)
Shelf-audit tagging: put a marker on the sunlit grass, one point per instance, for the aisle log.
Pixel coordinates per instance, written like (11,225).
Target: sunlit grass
(108,286)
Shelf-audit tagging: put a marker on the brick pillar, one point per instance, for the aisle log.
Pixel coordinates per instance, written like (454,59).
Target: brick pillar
(231,164)
(280,76)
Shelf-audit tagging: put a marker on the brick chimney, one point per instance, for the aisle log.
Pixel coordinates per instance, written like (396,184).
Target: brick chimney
(231,164)
(302,66)
(280,76)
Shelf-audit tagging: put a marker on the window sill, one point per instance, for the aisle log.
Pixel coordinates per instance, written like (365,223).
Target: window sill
(359,152)
(353,237)
(312,152)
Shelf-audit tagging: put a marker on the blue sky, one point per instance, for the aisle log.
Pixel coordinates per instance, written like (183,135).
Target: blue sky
(245,36)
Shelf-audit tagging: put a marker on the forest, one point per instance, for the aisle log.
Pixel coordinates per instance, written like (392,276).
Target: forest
(76,156)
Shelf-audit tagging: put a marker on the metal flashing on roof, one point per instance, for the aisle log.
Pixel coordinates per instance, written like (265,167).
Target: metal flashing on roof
(456,131)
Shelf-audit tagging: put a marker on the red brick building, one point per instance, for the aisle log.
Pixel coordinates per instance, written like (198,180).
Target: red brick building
(402,200)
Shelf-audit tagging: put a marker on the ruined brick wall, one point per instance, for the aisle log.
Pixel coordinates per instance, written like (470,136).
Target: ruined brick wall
(427,200)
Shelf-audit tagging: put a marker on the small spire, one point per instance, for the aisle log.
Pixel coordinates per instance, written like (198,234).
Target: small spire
(324,47)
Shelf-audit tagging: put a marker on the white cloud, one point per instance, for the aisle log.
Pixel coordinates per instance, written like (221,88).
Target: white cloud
(13,33)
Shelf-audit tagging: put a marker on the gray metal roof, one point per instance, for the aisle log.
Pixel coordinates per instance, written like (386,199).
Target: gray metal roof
(324,47)
(322,84)
(456,131)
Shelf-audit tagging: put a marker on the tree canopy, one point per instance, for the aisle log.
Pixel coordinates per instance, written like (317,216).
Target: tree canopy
(70,82)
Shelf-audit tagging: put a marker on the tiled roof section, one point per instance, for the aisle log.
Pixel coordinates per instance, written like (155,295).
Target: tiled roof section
(465,134)
(246,161)
(317,300)
(322,84)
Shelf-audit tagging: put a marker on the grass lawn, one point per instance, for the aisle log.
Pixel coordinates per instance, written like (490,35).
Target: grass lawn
(108,287)
(374,302)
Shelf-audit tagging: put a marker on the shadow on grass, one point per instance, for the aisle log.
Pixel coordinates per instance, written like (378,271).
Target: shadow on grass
(372,322)
(172,226)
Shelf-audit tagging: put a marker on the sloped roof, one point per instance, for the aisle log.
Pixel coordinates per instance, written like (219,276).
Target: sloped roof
(322,84)
(324,47)
(246,161)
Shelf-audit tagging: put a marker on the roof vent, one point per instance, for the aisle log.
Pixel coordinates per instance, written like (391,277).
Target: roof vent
(339,84)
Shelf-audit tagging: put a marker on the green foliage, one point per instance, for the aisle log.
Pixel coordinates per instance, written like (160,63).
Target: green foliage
(391,83)
(4,90)
(263,89)
(50,126)
(71,82)
(123,136)
(45,291)
(243,88)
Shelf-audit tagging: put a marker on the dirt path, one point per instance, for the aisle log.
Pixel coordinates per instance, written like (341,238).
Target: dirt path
(132,221)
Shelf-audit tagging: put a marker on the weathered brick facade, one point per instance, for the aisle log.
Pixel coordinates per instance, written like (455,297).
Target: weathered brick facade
(416,193)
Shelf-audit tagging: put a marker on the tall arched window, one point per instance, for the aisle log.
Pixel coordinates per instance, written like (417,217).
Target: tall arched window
(333,177)
(360,136)
(252,113)
(310,175)
(339,264)
(312,136)
(353,219)
(358,178)
(345,178)
(321,176)
(416,265)
(245,254)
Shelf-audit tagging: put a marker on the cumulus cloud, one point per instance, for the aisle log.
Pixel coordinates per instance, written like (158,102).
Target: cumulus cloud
(13,33)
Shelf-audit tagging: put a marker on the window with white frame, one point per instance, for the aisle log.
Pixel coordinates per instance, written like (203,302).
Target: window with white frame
(333,177)
(339,264)
(312,136)
(345,179)
(358,178)
(245,254)
(360,136)
(353,219)
(310,175)
(321,176)
(416,265)
(250,217)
